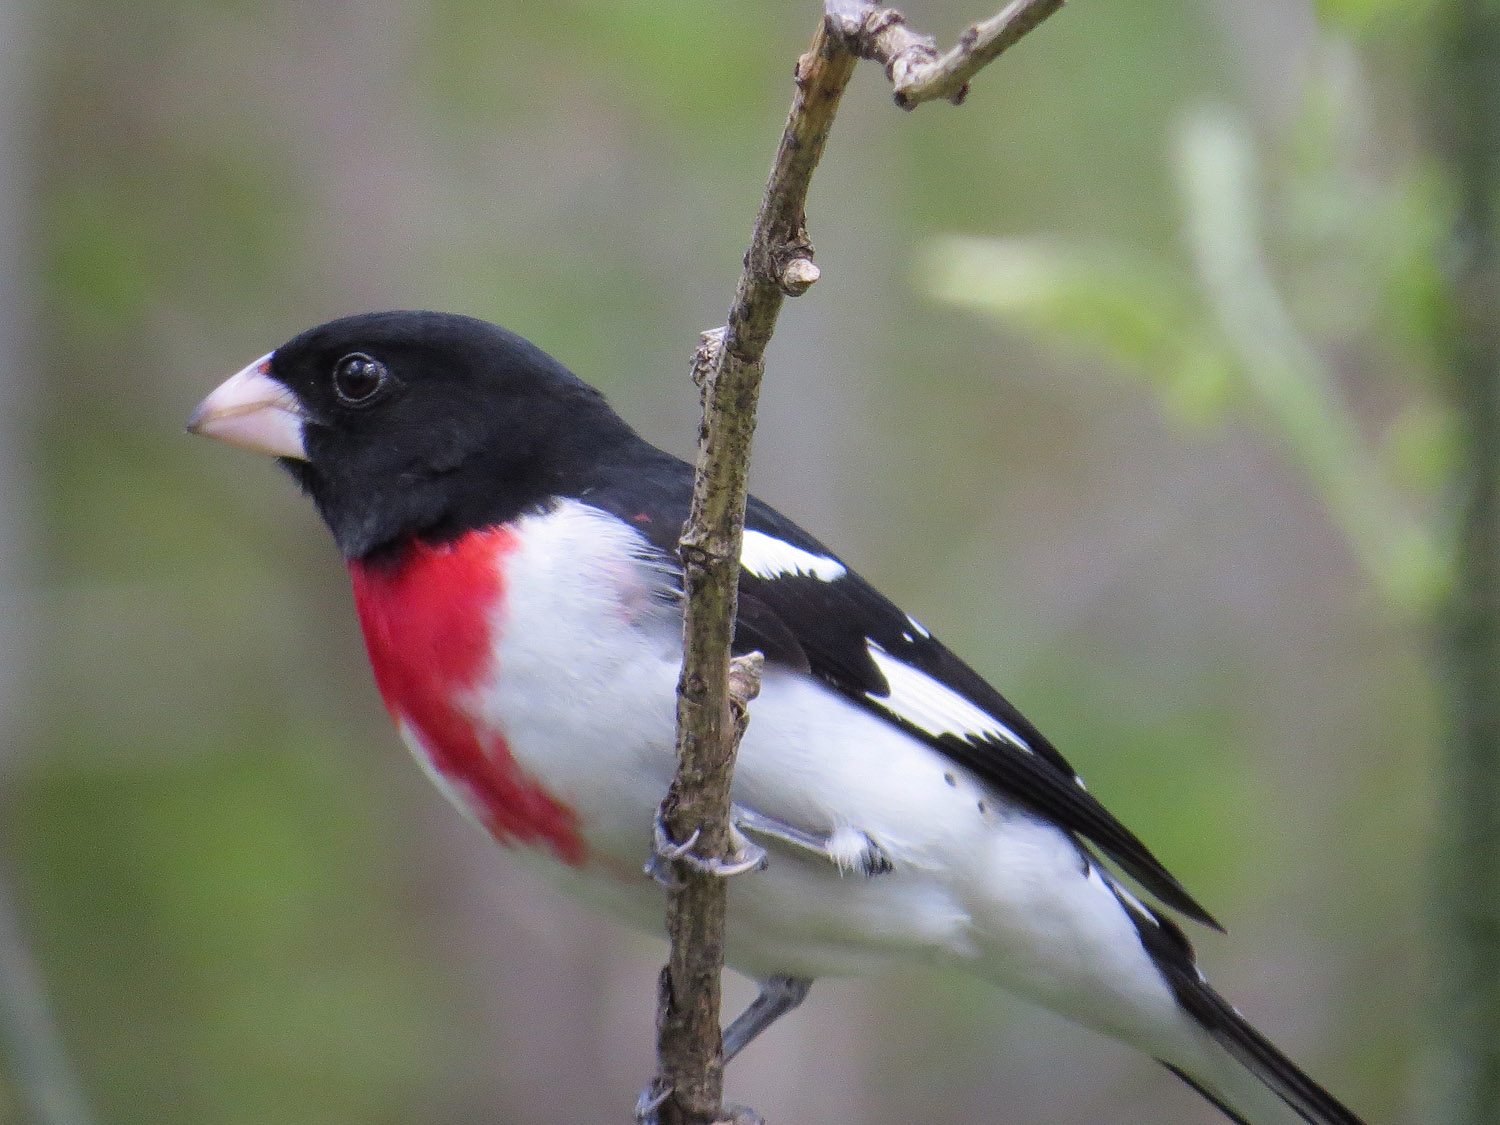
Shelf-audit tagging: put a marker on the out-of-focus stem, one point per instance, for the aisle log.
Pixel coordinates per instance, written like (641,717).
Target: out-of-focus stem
(1287,375)
(1468,1016)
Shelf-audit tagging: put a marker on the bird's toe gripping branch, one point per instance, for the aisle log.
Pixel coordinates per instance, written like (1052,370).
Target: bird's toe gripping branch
(651,1099)
(654,1096)
(665,851)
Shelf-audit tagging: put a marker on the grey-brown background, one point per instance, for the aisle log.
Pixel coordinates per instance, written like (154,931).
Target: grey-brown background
(249,907)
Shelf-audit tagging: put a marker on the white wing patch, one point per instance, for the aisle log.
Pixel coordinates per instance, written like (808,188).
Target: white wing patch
(932,706)
(765,556)
(1122,893)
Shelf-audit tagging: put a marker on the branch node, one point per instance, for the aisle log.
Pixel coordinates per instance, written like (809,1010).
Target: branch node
(744,677)
(802,69)
(882,20)
(798,276)
(744,685)
(845,19)
(706,358)
(918,72)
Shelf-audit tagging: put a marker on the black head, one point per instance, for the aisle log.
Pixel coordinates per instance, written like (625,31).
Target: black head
(424,425)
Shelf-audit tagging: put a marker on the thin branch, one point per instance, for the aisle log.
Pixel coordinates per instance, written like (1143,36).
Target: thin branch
(728,368)
(729,363)
(29,1038)
(918,72)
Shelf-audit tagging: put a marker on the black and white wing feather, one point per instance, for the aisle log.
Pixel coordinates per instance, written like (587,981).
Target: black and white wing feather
(802,606)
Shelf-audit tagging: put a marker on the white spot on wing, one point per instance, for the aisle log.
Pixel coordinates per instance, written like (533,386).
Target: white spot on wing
(932,706)
(918,626)
(765,556)
(1125,895)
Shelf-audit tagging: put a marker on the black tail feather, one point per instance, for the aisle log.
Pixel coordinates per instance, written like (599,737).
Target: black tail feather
(1206,1093)
(1260,1056)
(1170,949)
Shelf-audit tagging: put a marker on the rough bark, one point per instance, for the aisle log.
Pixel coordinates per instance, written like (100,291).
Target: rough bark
(728,368)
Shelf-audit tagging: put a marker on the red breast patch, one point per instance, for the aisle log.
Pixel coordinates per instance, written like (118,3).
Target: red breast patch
(427,621)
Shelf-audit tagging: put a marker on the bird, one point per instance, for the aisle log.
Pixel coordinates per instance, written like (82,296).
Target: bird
(511,543)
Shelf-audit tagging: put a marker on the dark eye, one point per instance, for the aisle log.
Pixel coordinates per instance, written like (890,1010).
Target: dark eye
(358,379)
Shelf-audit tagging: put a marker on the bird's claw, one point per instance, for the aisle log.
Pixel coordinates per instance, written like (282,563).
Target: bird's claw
(661,872)
(665,851)
(651,1100)
(654,1096)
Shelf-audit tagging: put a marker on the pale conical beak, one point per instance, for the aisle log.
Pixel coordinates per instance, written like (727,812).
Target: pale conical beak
(253,411)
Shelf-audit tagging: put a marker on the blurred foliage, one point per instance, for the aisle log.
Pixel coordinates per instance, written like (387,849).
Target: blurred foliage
(1375,16)
(1361,257)
(1092,299)
(247,998)
(247,906)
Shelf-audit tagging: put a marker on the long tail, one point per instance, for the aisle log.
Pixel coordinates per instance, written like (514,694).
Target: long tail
(1250,1069)
(1239,1068)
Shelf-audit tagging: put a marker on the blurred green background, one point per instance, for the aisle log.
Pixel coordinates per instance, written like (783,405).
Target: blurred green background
(1159,455)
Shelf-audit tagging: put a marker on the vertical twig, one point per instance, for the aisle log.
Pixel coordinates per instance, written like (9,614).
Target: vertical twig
(31,1049)
(29,1039)
(1469,100)
(728,368)
(1286,373)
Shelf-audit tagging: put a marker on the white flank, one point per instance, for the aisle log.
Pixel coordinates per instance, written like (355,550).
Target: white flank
(765,556)
(933,707)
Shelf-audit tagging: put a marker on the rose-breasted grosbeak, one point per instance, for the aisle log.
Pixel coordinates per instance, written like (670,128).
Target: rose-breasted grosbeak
(512,547)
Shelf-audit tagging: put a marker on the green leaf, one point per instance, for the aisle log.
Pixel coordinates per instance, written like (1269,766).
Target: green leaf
(1128,309)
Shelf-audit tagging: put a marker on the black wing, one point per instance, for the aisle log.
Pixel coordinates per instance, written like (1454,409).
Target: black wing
(802,607)
(854,639)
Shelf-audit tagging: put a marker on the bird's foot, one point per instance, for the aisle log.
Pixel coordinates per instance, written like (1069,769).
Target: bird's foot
(874,860)
(847,848)
(651,1100)
(665,851)
(654,1096)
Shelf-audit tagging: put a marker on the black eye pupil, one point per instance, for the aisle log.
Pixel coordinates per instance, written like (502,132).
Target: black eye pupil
(357,377)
